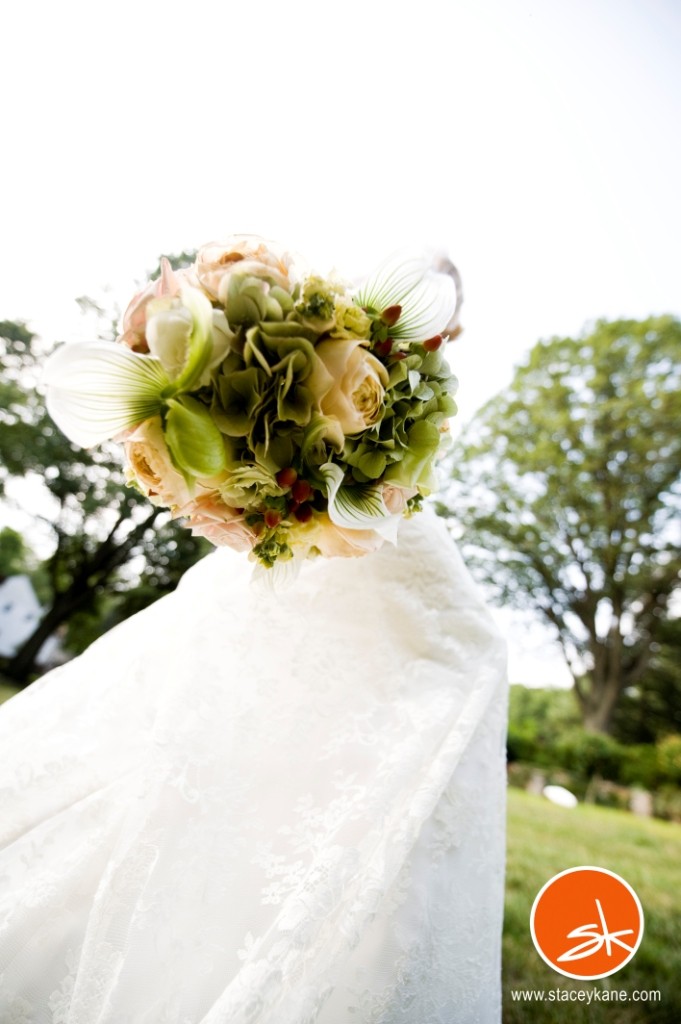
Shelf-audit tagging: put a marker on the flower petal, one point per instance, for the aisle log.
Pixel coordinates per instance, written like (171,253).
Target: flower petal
(200,342)
(193,439)
(360,507)
(275,578)
(428,298)
(96,390)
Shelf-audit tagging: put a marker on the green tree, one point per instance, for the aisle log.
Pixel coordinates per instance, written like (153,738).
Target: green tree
(14,553)
(652,709)
(97,527)
(567,492)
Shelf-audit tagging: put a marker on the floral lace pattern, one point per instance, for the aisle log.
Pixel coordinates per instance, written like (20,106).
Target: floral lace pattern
(254,807)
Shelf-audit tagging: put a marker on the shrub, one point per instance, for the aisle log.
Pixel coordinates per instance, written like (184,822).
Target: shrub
(590,754)
(639,766)
(668,752)
(521,744)
(667,803)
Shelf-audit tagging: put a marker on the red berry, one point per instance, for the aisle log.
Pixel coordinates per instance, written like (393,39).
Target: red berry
(304,513)
(301,491)
(287,477)
(383,348)
(391,315)
(272,518)
(433,344)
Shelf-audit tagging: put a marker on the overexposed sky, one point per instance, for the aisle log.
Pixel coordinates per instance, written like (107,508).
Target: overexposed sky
(537,141)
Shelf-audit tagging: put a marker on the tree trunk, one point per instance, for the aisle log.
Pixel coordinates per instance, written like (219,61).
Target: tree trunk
(21,665)
(599,704)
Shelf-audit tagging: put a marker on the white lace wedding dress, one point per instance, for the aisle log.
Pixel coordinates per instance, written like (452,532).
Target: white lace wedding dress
(250,807)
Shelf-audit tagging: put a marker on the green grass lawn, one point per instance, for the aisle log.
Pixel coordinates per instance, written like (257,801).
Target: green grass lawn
(544,839)
(7,690)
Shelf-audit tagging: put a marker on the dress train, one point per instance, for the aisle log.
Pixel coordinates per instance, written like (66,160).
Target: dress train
(250,806)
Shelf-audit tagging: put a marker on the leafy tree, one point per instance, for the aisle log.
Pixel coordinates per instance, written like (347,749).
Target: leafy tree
(567,492)
(14,553)
(537,719)
(652,709)
(17,557)
(96,524)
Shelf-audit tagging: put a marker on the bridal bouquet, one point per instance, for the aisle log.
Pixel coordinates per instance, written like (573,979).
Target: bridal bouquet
(279,413)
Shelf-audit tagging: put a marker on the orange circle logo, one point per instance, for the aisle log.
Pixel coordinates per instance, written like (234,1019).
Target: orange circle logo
(586,923)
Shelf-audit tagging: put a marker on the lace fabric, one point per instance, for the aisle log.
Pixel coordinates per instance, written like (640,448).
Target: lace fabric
(244,805)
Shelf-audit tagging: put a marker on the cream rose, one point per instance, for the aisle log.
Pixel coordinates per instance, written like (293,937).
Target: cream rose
(150,465)
(333,541)
(355,397)
(244,255)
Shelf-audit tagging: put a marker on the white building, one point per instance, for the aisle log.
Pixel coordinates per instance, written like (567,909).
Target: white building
(20,613)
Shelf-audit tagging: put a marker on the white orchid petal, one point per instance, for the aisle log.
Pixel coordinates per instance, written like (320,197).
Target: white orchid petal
(391,282)
(355,508)
(96,390)
(427,309)
(388,528)
(277,577)
(428,298)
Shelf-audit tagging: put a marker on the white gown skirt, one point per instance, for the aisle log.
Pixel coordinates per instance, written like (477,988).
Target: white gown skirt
(244,806)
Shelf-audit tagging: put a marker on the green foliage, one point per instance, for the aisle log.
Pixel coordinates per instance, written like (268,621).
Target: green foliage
(589,753)
(639,766)
(567,493)
(667,803)
(548,712)
(537,718)
(544,732)
(17,558)
(669,757)
(14,553)
(652,708)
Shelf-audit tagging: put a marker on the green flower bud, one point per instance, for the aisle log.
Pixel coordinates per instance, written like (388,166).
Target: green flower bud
(193,439)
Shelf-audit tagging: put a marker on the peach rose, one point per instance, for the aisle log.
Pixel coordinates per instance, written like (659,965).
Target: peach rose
(150,465)
(395,498)
(245,255)
(209,517)
(355,397)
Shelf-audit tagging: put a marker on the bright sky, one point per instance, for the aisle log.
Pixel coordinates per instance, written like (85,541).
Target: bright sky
(536,141)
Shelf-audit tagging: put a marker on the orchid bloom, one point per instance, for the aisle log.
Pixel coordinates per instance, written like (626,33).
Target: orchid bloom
(97,391)
(428,299)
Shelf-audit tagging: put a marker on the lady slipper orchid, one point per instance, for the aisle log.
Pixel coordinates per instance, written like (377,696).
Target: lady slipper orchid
(96,391)
(427,297)
(358,507)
